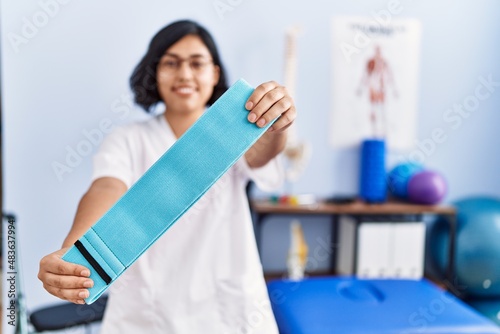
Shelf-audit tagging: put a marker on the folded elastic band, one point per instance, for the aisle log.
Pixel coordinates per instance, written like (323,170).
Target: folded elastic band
(167,190)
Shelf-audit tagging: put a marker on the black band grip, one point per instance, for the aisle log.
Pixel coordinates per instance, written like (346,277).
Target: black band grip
(92,262)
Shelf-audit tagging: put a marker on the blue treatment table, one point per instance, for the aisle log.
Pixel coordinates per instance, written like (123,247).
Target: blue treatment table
(348,305)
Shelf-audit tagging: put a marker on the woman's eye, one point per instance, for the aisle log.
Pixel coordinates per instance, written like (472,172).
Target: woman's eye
(170,63)
(196,65)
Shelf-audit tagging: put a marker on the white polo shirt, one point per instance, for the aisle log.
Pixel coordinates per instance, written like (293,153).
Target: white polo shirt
(204,274)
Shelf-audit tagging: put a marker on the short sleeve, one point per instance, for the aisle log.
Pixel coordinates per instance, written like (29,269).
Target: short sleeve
(269,177)
(114,157)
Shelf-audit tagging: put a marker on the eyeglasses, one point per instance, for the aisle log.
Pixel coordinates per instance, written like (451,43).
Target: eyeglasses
(172,64)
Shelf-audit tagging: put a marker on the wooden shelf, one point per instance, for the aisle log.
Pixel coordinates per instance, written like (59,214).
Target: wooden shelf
(358,207)
(264,209)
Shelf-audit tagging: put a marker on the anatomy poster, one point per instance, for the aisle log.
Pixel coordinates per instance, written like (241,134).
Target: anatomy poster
(375,81)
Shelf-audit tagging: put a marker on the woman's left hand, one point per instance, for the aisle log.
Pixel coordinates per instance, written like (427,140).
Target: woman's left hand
(268,101)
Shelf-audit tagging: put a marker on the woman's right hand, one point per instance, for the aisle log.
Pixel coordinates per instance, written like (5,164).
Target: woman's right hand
(63,279)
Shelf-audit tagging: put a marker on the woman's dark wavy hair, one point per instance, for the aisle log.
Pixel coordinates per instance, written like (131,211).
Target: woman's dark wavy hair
(143,80)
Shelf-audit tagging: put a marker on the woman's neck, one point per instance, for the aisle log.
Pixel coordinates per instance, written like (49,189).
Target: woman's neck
(179,121)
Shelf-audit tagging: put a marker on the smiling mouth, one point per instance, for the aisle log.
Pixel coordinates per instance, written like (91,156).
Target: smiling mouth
(185,90)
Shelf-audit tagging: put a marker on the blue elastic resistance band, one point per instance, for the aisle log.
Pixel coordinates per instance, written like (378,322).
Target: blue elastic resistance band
(167,190)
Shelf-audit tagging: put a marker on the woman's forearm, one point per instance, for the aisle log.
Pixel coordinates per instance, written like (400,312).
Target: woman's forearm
(102,194)
(266,148)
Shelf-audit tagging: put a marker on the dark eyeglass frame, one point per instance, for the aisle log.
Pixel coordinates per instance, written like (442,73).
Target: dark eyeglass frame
(173,63)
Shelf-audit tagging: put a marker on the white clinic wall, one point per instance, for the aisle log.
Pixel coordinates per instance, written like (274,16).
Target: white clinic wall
(70,75)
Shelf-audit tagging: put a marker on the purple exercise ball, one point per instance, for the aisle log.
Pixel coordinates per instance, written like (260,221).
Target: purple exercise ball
(427,187)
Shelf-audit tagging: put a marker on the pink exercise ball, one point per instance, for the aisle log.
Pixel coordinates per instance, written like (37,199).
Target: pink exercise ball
(427,187)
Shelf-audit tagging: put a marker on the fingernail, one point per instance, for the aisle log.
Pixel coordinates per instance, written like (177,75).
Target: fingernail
(85,272)
(88,284)
(271,129)
(252,117)
(261,122)
(249,105)
(83,294)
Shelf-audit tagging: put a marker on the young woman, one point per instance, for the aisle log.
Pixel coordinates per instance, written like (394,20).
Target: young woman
(204,274)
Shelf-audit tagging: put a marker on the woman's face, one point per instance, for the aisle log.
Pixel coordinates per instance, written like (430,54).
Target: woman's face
(186,76)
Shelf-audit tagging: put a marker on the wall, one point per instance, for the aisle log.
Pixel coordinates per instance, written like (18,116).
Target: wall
(62,80)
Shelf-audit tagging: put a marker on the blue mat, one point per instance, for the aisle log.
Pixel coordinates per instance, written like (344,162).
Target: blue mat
(351,306)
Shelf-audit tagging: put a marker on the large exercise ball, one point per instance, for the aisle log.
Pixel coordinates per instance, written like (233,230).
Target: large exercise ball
(477,265)
(490,308)
(399,176)
(427,187)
